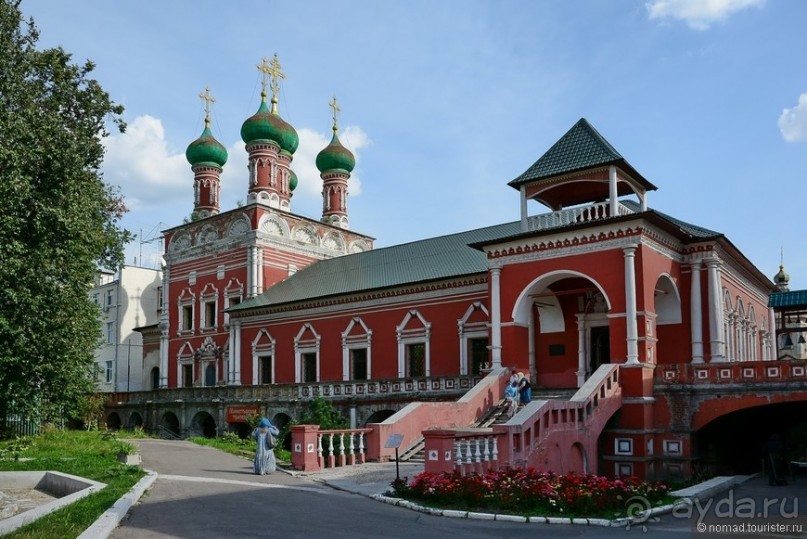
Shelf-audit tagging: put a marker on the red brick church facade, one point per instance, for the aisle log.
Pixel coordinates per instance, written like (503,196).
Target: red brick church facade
(258,295)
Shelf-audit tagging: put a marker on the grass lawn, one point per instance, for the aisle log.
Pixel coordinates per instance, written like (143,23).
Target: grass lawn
(87,454)
(231,443)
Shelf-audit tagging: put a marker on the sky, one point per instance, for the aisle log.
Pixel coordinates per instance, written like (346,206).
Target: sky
(444,102)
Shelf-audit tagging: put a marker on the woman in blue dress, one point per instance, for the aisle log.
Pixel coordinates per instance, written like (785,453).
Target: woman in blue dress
(264,462)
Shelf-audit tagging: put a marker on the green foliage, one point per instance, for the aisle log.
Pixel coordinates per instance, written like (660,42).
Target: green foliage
(60,222)
(86,454)
(91,409)
(320,412)
(252,420)
(125,448)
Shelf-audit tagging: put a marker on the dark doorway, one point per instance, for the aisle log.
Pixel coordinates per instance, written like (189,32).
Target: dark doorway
(416,360)
(358,364)
(309,367)
(210,375)
(187,375)
(155,378)
(600,347)
(265,370)
(478,352)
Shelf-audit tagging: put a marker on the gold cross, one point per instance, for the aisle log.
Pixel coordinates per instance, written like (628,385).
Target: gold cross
(273,71)
(208,99)
(336,110)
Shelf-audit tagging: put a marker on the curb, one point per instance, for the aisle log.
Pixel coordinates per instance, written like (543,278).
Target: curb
(112,517)
(602,522)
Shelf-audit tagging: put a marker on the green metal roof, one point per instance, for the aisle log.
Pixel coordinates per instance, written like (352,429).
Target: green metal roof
(695,231)
(582,147)
(794,298)
(425,260)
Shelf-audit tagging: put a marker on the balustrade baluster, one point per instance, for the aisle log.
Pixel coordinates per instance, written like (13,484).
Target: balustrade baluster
(361,448)
(478,450)
(351,453)
(486,446)
(331,457)
(469,457)
(495,454)
(458,452)
(319,451)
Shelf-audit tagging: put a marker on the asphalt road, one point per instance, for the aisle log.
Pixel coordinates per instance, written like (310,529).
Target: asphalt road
(205,493)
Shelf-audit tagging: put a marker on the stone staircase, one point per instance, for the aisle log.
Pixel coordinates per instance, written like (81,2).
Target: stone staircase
(496,415)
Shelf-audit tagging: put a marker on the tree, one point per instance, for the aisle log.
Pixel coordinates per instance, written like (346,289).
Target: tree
(59,221)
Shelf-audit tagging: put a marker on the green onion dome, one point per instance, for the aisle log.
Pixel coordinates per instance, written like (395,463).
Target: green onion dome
(206,150)
(293,181)
(335,157)
(266,125)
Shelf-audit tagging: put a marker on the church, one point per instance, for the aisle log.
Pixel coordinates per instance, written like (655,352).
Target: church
(599,293)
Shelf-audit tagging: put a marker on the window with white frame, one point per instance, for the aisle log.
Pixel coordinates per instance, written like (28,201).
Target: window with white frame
(187,318)
(210,314)
(414,336)
(108,372)
(306,351)
(96,300)
(415,359)
(233,293)
(356,350)
(263,352)
(473,330)
(110,297)
(186,306)
(358,364)
(110,332)
(309,366)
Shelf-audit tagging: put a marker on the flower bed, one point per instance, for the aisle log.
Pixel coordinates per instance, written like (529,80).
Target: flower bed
(530,492)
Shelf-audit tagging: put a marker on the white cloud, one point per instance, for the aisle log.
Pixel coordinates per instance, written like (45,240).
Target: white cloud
(140,161)
(793,122)
(698,14)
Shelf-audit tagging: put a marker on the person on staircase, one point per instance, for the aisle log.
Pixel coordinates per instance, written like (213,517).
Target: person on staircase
(524,389)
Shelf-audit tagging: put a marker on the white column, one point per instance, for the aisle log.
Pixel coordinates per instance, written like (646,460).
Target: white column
(581,350)
(524,208)
(612,193)
(495,317)
(235,351)
(531,343)
(630,305)
(696,313)
(716,335)
(165,330)
(231,356)
(258,270)
(772,348)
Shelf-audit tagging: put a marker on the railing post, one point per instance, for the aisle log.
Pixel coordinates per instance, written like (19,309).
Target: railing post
(341,449)
(361,448)
(306,451)
(351,454)
(331,458)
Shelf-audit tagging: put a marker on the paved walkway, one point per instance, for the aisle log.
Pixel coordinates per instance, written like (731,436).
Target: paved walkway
(205,493)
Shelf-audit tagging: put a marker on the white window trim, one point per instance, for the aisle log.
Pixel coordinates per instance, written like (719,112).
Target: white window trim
(185,357)
(623,446)
(413,336)
(234,289)
(186,299)
(263,345)
(209,294)
(353,342)
(474,330)
(305,346)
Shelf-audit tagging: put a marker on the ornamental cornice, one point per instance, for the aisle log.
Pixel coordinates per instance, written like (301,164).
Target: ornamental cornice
(472,284)
(529,249)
